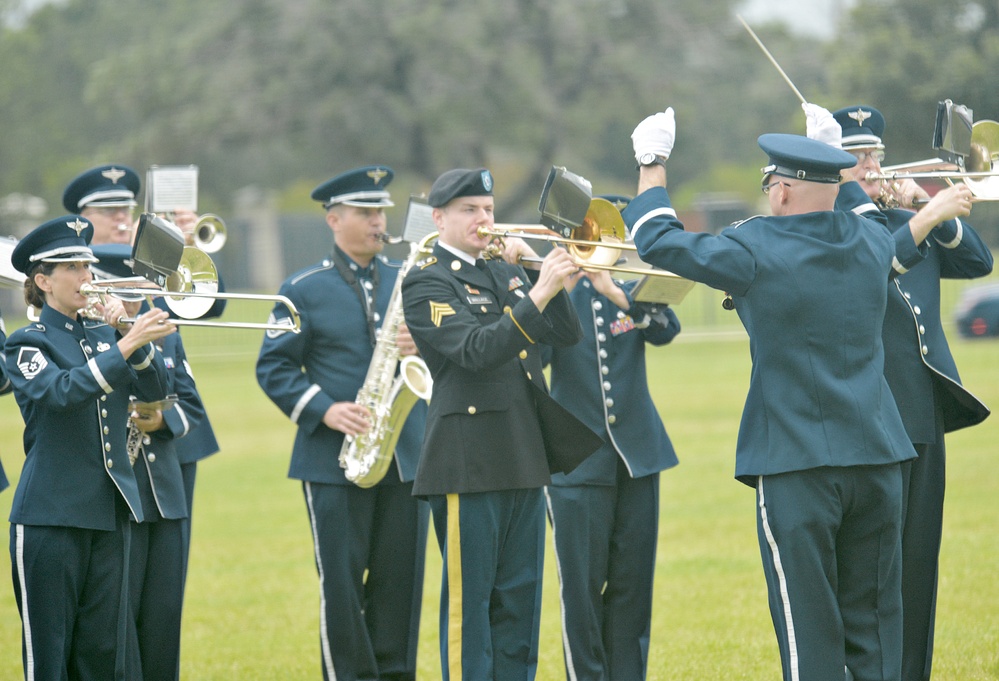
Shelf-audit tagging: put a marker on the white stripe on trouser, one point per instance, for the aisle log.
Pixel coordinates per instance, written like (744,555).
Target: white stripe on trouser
(29,653)
(792,648)
(323,628)
(570,667)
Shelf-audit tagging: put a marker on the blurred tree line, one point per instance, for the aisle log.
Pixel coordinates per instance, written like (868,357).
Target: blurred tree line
(282,94)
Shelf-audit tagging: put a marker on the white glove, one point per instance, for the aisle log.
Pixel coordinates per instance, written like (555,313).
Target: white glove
(820,125)
(655,135)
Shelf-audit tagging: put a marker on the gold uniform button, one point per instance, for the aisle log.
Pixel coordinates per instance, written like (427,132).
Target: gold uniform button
(110,463)
(523,354)
(107,446)
(151,457)
(483,308)
(455,265)
(471,410)
(507,309)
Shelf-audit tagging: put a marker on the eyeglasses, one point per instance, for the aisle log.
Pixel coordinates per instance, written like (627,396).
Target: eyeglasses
(113,210)
(766,188)
(877,154)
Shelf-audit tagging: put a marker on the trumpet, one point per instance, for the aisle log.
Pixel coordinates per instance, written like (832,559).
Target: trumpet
(210,233)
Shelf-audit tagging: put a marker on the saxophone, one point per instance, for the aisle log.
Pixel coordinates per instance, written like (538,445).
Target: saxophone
(366,458)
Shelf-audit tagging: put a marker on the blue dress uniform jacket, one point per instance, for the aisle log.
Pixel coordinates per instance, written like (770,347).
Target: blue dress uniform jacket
(162,486)
(811,402)
(917,355)
(64,373)
(305,373)
(604,385)
(477,330)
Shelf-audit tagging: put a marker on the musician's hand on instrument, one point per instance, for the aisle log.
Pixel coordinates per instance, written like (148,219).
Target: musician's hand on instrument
(952,202)
(404,341)
(151,326)
(655,135)
(147,420)
(556,268)
(113,312)
(907,192)
(348,417)
(821,126)
(604,283)
(515,248)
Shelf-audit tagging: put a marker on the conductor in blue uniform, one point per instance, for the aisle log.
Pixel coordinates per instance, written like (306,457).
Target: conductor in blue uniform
(821,439)
(605,514)
(494,434)
(369,627)
(920,369)
(70,517)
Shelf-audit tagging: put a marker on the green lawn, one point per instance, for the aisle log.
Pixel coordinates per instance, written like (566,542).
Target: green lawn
(252,601)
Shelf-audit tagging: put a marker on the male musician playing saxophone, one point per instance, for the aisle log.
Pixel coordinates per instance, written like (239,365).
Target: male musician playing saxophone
(368,627)
(919,367)
(821,439)
(494,434)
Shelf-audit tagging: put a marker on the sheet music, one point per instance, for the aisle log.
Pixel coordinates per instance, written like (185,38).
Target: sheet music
(171,188)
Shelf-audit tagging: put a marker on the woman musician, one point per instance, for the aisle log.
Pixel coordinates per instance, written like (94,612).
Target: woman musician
(72,378)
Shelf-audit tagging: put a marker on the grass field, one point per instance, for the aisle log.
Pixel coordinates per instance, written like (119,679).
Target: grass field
(252,599)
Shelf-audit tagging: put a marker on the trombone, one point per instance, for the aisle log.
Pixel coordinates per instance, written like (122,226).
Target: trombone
(595,245)
(980,173)
(189,292)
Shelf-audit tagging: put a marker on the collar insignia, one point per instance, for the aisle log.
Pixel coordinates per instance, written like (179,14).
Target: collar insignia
(859,115)
(78,226)
(438,311)
(113,174)
(377,175)
(103,347)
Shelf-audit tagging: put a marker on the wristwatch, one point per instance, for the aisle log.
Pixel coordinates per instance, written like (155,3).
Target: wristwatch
(650,159)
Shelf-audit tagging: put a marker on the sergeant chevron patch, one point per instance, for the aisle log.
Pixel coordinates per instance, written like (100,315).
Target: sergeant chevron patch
(438,311)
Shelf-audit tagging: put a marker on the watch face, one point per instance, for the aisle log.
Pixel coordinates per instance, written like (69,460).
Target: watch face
(647,159)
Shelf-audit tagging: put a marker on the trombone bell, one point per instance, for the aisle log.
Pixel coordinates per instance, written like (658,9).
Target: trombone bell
(196,273)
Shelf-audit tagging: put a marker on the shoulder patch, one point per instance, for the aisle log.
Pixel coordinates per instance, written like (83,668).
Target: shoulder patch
(31,361)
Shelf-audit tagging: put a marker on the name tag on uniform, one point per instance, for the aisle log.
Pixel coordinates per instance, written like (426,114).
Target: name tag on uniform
(623,325)
(480,300)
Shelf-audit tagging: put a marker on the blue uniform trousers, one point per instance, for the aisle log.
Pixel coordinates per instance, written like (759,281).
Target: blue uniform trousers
(922,525)
(156,587)
(830,540)
(369,628)
(71,586)
(605,550)
(492,544)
